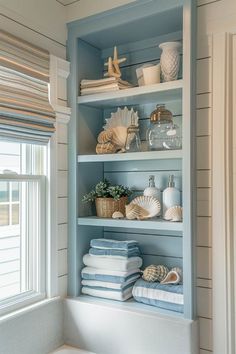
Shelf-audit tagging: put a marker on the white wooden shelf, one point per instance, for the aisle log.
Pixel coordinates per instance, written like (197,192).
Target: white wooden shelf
(164,92)
(150,224)
(135,156)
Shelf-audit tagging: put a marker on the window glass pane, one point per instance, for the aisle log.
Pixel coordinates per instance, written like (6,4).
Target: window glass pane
(10,157)
(15,191)
(15,214)
(4,214)
(4,192)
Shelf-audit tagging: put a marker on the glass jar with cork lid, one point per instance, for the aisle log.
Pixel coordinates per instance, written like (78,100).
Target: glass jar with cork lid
(162,133)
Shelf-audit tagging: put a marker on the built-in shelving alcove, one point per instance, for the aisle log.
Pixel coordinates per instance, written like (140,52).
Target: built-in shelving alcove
(136,30)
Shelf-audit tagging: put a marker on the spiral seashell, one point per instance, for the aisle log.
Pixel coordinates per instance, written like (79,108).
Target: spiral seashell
(155,273)
(150,206)
(174,213)
(119,136)
(117,215)
(105,136)
(107,148)
(173,277)
(133,211)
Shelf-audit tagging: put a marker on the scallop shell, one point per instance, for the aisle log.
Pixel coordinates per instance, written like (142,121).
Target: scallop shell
(117,215)
(155,273)
(150,206)
(173,277)
(105,136)
(174,213)
(107,148)
(134,211)
(118,124)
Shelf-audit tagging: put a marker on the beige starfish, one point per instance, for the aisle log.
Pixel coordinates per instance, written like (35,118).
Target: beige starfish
(113,65)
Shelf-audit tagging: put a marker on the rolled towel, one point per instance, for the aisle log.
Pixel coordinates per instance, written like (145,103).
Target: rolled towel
(111,276)
(108,285)
(112,263)
(132,252)
(108,294)
(105,243)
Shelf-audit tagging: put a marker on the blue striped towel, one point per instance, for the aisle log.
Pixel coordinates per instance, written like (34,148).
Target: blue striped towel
(132,252)
(169,297)
(111,276)
(105,243)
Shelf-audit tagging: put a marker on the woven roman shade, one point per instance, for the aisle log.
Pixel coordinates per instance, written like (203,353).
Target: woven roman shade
(25,111)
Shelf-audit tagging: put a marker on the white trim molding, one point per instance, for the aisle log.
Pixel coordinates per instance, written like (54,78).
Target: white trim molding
(222,197)
(59,72)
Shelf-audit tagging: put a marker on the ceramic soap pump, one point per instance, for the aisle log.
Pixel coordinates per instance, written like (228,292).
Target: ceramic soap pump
(171,195)
(152,190)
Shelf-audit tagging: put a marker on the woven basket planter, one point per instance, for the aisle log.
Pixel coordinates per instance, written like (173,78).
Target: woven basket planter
(105,207)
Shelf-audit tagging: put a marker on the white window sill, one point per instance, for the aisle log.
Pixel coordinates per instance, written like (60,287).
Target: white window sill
(27,309)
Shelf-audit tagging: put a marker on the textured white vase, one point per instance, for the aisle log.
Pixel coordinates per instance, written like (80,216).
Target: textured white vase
(170,60)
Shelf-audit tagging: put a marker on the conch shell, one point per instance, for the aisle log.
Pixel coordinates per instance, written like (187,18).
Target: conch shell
(105,136)
(107,148)
(173,277)
(155,273)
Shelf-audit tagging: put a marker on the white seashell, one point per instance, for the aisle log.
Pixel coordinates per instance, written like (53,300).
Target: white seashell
(155,273)
(133,211)
(119,135)
(150,206)
(173,277)
(122,117)
(174,213)
(117,215)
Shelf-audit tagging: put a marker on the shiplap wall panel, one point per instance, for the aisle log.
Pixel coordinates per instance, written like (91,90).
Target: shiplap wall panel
(62,262)
(62,236)
(204,78)
(205,333)
(203,100)
(204,237)
(62,190)
(62,133)
(203,122)
(62,210)
(204,302)
(62,285)
(63,157)
(203,351)
(204,283)
(204,262)
(204,179)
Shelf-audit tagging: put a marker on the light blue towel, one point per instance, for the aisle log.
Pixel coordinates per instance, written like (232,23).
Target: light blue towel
(132,252)
(111,289)
(169,297)
(105,243)
(89,273)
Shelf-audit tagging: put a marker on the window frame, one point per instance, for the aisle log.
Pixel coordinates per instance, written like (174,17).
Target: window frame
(26,298)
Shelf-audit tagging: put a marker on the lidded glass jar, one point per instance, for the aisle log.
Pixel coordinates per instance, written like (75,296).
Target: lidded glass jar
(133,142)
(162,133)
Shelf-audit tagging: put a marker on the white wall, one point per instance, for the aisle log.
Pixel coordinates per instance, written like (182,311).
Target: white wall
(39,21)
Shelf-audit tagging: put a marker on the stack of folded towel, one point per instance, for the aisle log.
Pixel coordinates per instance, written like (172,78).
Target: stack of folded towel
(111,269)
(88,87)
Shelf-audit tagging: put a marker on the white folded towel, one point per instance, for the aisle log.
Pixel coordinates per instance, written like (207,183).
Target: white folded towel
(112,263)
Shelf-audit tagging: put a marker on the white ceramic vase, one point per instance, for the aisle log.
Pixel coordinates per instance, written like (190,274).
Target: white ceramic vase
(170,60)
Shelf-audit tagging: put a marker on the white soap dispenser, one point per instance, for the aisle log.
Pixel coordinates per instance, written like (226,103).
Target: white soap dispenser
(171,195)
(152,190)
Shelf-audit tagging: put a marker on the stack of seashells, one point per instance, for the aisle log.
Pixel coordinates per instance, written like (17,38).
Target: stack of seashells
(113,138)
(160,273)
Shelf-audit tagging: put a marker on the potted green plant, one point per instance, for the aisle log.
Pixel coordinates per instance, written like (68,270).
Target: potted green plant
(108,198)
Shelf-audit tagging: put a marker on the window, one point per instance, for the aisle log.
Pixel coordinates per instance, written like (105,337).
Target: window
(22,224)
